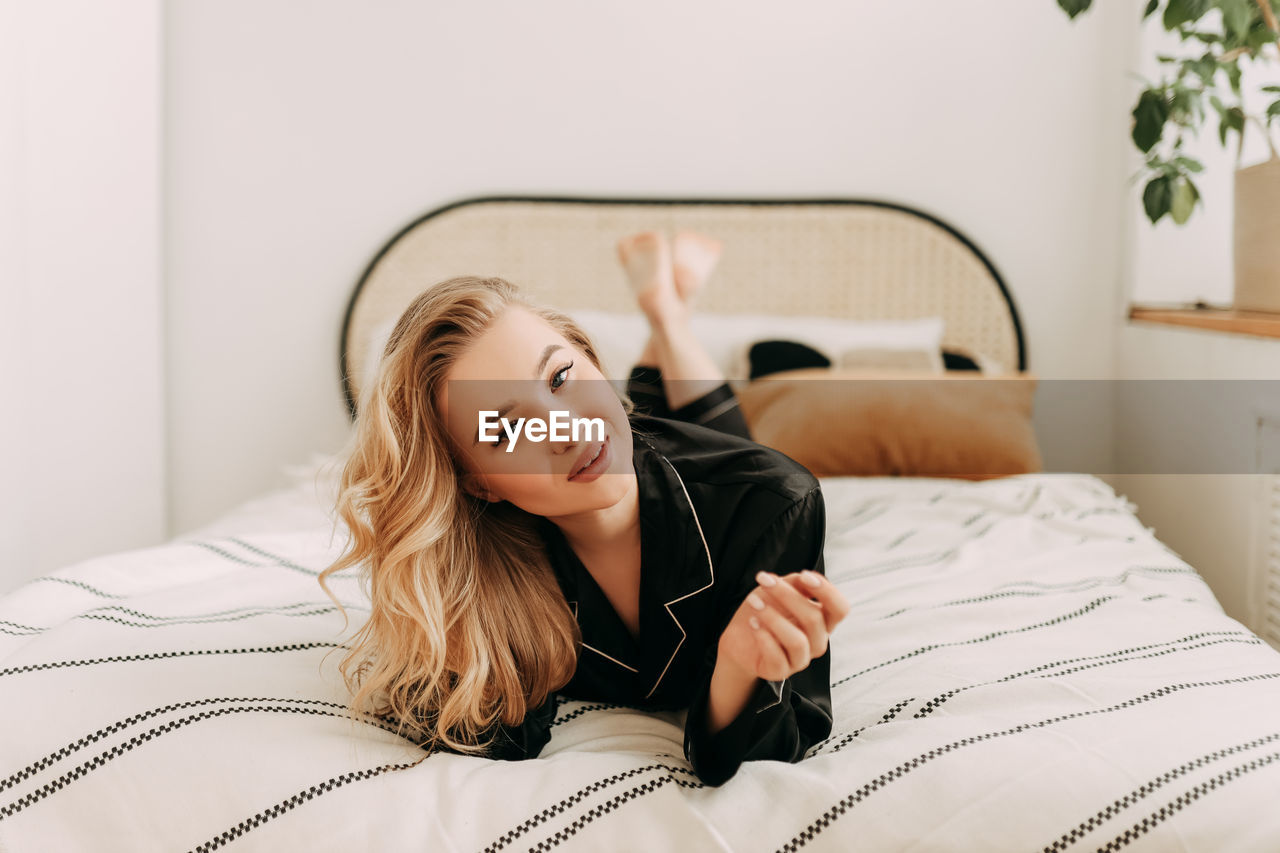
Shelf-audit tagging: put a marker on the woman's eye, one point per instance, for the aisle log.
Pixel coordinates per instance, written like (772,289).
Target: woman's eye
(558,376)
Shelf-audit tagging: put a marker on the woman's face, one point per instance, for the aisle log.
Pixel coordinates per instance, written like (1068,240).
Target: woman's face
(522,367)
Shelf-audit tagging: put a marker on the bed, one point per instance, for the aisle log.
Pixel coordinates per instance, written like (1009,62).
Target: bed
(1025,667)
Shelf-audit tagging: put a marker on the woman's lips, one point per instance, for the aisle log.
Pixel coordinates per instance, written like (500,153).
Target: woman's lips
(596,468)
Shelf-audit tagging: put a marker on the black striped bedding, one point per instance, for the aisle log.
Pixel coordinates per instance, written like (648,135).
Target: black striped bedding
(1025,668)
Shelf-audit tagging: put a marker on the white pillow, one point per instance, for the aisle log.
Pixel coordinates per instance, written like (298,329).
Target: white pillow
(889,358)
(618,337)
(839,340)
(727,338)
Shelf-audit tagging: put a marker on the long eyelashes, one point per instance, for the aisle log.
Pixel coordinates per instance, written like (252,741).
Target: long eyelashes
(554,386)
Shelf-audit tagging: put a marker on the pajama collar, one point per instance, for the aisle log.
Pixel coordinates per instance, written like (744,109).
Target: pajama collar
(676,572)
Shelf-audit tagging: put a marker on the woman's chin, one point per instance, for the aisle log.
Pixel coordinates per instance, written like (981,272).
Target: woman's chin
(605,491)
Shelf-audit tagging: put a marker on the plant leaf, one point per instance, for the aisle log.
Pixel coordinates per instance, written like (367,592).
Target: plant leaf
(1180,12)
(1206,67)
(1156,198)
(1180,104)
(1237,16)
(1258,37)
(1221,110)
(1074,7)
(1183,201)
(1152,5)
(1233,75)
(1185,106)
(1232,119)
(1148,119)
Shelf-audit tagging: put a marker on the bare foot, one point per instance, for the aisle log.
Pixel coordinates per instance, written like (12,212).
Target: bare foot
(694,256)
(646,257)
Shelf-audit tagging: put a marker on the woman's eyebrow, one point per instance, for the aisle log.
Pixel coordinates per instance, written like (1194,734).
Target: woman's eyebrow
(542,362)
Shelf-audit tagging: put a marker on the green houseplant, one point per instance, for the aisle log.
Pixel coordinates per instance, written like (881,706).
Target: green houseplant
(1218,35)
(1170,108)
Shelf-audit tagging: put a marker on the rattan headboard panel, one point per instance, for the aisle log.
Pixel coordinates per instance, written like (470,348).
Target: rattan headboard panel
(833,257)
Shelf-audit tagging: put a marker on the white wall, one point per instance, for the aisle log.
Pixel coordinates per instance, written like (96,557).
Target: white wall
(300,136)
(80,297)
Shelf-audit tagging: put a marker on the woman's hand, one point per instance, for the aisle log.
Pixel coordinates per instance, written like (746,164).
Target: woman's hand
(789,630)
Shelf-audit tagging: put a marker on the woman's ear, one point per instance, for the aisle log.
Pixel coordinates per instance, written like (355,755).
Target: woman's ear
(474,487)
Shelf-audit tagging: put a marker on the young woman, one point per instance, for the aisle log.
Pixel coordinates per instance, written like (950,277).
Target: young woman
(664,562)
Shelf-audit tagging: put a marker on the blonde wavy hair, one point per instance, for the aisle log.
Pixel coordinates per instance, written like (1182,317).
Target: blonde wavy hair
(468,626)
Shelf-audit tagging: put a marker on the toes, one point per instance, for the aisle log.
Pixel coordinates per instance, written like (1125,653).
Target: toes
(700,243)
(647,261)
(693,258)
(646,246)
(696,252)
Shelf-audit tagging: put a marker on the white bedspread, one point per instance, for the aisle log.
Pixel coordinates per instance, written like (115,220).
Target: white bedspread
(1025,668)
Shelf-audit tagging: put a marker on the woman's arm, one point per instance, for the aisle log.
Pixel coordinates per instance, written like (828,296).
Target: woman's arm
(729,693)
(780,721)
(777,720)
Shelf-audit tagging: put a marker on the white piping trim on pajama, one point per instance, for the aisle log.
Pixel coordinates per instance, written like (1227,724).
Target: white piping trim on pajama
(724,406)
(597,651)
(684,634)
(615,660)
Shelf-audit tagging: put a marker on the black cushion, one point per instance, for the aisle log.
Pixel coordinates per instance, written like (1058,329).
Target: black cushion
(776,356)
(957,361)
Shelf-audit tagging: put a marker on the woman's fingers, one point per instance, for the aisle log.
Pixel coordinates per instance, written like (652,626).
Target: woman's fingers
(772,663)
(792,619)
(793,642)
(799,610)
(835,607)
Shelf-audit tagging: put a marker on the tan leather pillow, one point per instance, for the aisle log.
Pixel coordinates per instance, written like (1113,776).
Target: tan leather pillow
(887,423)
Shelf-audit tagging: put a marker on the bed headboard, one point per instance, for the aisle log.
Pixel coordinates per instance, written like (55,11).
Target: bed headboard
(851,258)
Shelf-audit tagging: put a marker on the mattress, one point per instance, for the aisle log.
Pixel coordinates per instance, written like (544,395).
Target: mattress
(1025,667)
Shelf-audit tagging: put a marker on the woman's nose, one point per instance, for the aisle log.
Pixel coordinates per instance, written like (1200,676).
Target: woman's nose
(566,442)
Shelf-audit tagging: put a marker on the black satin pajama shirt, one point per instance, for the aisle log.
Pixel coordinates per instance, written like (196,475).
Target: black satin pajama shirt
(715,508)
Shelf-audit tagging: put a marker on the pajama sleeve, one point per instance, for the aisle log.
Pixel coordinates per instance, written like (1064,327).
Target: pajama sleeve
(782,719)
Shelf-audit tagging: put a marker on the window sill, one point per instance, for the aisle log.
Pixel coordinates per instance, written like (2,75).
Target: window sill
(1258,324)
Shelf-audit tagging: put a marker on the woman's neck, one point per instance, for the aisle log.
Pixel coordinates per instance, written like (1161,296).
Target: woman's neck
(604,530)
